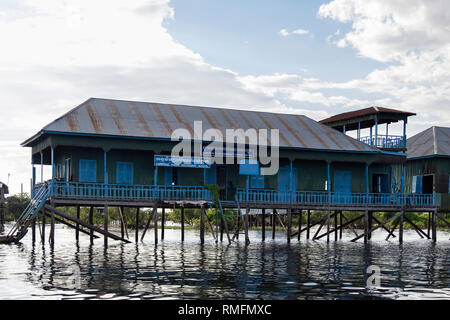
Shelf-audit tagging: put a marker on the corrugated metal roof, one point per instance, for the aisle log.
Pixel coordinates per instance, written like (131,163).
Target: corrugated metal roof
(363,112)
(156,120)
(433,141)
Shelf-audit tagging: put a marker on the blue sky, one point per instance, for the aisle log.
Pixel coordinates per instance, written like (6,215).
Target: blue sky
(243,36)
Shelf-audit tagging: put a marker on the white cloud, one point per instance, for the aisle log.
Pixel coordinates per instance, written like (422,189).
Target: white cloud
(286,33)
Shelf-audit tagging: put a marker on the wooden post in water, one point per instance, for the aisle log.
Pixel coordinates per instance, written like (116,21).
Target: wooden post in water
(77,225)
(433,230)
(202,225)
(33,230)
(155,220)
(43,227)
(289,223)
(105,223)
(340,224)
(336,213)
(400,227)
(369,236)
(182,223)
(238,225)
(163,218)
(91,222)
(122,226)
(308,223)
(263,225)
(328,225)
(247,239)
(137,225)
(300,214)
(52,228)
(429,224)
(273,224)
(366,225)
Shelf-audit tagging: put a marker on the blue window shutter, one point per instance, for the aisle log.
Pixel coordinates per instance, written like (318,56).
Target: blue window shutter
(87,170)
(342,181)
(419,184)
(211,175)
(124,172)
(168,176)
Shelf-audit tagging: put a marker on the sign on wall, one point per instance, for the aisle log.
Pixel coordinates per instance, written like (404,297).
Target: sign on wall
(176,161)
(249,167)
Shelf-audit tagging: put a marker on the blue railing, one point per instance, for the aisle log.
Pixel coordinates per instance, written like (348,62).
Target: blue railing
(383,141)
(325,198)
(100,191)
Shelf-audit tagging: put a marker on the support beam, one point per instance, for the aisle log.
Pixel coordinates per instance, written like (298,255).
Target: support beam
(137,225)
(202,225)
(289,223)
(105,224)
(52,229)
(33,231)
(300,213)
(163,218)
(263,225)
(247,240)
(77,225)
(182,223)
(434,231)
(70,225)
(340,227)
(273,224)
(91,222)
(308,224)
(366,226)
(155,224)
(378,226)
(400,227)
(150,219)
(328,225)
(84,224)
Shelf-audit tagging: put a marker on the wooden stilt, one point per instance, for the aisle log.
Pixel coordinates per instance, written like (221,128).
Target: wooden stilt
(300,213)
(273,224)
(400,227)
(105,223)
(340,223)
(137,225)
(328,225)
(122,223)
(238,226)
(202,225)
(52,229)
(163,218)
(429,224)
(91,222)
(33,231)
(289,222)
(366,226)
(150,219)
(222,226)
(308,223)
(391,234)
(433,226)
(77,225)
(263,225)
(43,227)
(336,213)
(155,224)
(182,223)
(370,222)
(247,240)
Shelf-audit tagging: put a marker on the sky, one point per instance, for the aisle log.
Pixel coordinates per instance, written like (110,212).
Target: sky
(311,57)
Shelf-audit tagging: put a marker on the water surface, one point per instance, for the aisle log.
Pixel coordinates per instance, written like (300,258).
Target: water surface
(417,269)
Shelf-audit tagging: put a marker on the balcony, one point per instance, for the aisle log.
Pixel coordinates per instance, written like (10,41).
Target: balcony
(385,141)
(101,191)
(322,198)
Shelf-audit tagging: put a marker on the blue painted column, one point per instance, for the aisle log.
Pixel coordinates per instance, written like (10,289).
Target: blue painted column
(344,129)
(367,180)
(42,167)
(376,132)
(105,173)
(328,182)
(404,133)
(359,130)
(53,169)
(402,185)
(371,142)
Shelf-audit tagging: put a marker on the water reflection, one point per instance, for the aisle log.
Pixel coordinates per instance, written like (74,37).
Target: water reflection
(270,270)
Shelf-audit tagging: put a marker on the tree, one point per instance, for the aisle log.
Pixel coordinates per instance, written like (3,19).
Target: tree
(15,205)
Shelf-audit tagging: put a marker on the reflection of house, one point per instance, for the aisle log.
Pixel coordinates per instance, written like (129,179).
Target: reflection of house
(427,168)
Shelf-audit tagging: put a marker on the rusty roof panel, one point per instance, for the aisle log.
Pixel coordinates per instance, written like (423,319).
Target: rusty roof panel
(155,120)
(432,141)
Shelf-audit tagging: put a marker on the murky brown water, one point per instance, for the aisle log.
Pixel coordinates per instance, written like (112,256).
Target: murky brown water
(270,270)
